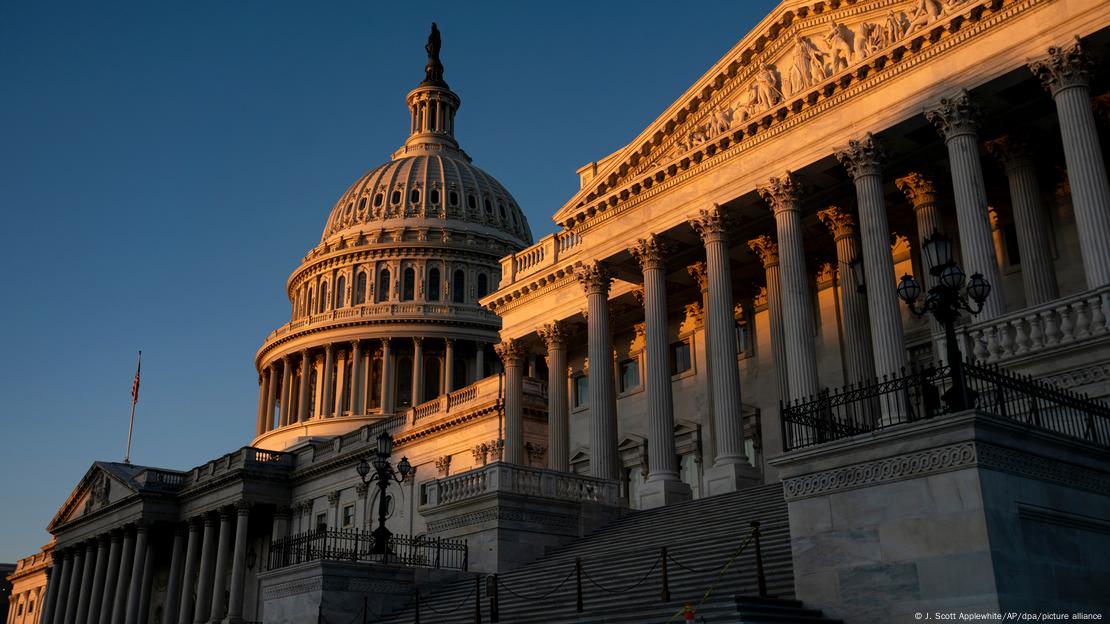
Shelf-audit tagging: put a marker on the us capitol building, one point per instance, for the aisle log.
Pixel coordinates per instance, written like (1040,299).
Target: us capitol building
(724,329)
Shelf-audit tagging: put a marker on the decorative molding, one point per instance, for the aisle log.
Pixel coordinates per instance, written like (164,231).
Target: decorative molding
(766,249)
(839,222)
(594,278)
(783,192)
(955,116)
(918,189)
(862,157)
(712,224)
(651,252)
(1064,67)
(554,335)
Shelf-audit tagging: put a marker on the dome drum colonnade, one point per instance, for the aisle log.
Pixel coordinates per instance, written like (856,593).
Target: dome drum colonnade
(385,311)
(872,323)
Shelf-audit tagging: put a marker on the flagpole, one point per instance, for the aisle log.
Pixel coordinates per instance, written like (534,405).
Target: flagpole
(134,401)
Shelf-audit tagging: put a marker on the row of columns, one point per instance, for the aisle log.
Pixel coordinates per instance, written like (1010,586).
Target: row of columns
(337,367)
(107,580)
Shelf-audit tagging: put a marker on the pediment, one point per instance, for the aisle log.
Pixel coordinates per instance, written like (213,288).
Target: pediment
(102,486)
(796,51)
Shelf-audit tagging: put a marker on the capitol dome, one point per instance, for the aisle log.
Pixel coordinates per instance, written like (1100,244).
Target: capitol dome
(385,312)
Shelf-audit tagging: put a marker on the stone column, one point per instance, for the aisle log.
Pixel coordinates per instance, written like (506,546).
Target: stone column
(219,583)
(317,410)
(342,364)
(260,426)
(859,360)
(730,467)
(73,592)
(1038,277)
(203,604)
(768,252)
(271,396)
(1065,73)
(417,370)
(448,365)
(138,572)
(604,463)
(286,391)
(280,528)
(356,369)
(479,360)
(558,427)
(922,195)
(387,378)
(108,587)
(327,406)
(186,596)
(123,580)
(663,485)
(53,573)
(59,615)
(145,588)
(82,614)
(303,387)
(238,564)
(92,614)
(512,355)
(783,195)
(956,119)
(173,585)
(700,273)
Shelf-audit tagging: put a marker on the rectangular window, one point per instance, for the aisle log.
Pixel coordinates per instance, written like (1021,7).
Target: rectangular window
(630,375)
(348,516)
(581,390)
(321,521)
(680,357)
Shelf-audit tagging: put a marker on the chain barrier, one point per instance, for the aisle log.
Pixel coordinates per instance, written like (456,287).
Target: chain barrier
(686,567)
(501,583)
(709,591)
(462,603)
(630,587)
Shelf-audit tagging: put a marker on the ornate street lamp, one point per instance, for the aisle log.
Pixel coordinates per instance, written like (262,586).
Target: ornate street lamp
(383,474)
(945,301)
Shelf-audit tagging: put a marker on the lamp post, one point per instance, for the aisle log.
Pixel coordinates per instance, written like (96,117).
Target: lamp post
(945,301)
(383,475)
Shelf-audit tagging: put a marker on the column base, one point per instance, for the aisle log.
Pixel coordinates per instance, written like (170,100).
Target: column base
(661,492)
(724,478)
(232,620)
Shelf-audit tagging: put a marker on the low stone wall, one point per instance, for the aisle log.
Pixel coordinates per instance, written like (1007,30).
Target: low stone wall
(963,513)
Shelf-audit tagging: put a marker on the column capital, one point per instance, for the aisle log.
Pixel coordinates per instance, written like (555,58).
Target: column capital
(448,341)
(594,278)
(283,511)
(1012,152)
(711,224)
(116,535)
(510,351)
(385,342)
(955,116)
(782,193)
(554,334)
(209,519)
(862,157)
(1064,67)
(650,252)
(638,295)
(330,348)
(242,507)
(285,359)
(355,344)
(333,497)
(766,248)
(227,512)
(700,272)
(918,189)
(417,340)
(839,222)
(362,489)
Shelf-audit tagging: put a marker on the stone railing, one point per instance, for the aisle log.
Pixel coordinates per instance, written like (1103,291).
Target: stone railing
(544,254)
(480,393)
(1060,323)
(501,477)
(402,310)
(247,456)
(153,478)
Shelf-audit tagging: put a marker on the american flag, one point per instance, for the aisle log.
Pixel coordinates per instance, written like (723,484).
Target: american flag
(135,384)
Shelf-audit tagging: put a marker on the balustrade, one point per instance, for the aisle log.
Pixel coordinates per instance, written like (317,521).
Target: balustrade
(513,479)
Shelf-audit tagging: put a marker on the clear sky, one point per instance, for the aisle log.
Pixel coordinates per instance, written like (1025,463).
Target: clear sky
(165,165)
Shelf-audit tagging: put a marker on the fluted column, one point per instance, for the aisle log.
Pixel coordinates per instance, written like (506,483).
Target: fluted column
(327,405)
(342,366)
(1037,274)
(303,387)
(700,273)
(53,578)
(108,586)
(417,370)
(177,565)
(512,354)
(145,586)
(595,280)
(479,360)
(286,390)
(448,365)
(663,485)
(64,584)
(859,360)
(956,119)
(356,377)
(123,580)
(260,425)
(219,582)
(783,195)
(387,378)
(271,396)
(768,252)
(922,194)
(73,592)
(203,605)
(238,564)
(138,571)
(100,573)
(558,429)
(1065,72)
(87,574)
(187,602)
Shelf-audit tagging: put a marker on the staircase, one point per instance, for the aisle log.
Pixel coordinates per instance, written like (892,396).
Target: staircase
(622,571)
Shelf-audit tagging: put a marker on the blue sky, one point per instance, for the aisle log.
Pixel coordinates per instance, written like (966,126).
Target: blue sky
(164,166)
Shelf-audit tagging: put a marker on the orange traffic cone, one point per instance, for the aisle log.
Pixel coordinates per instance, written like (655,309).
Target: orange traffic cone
(688,611)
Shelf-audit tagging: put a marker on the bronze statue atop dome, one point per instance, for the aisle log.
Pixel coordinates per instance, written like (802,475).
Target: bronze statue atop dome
(433,71)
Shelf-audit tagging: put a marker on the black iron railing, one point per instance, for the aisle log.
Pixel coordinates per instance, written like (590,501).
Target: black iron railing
(355,545)
(921,393)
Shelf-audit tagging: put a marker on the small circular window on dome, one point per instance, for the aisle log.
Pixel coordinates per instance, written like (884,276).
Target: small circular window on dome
(453,198)
(414,196)
(471,202)
(433,196)
(489,207)
(378,199)
(396,197)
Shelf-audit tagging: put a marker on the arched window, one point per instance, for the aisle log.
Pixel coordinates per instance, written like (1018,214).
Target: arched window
(501,208)
(308,308)
(408,286)
(414,196)
(489,207)
(323,298)
(458,287)
(431,379)
(433,284)
(453,198)
(483,285)
(360,288)
(471,202)
(395,197)
(404,381)
(362,204)
(433,196)
(378,199)
(340,289)
(383,285)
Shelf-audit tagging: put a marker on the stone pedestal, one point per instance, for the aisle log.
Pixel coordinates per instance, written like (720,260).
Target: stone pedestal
(967,513)
(725,478)
(663,492)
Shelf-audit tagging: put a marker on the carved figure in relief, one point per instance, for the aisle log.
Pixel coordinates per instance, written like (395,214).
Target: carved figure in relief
(838,48)
(869,39)
(764,91)
(926,12)
(894,29)
(808,67)
(720,121)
